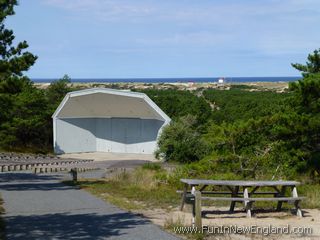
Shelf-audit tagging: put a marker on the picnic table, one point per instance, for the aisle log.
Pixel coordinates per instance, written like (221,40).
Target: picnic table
(246,192)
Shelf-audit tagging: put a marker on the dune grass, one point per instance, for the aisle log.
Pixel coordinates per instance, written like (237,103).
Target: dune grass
(138,189)
(146,188)
(312,194)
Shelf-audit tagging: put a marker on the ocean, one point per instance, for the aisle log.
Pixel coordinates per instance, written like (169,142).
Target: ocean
(173,80)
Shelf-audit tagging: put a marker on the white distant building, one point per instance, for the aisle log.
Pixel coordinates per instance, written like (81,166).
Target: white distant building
(221,81)
(107,120)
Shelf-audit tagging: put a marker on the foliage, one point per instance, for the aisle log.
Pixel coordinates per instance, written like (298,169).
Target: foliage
(261,135)
(58,89)
(307,93)
(22,119)
(264,135)
(236,104)
(276,146)
(13,59)
(181,142)
(177,103)
(25,123)
(312,65)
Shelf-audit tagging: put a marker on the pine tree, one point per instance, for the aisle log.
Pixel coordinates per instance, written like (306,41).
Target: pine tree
(14,60)
(312,65)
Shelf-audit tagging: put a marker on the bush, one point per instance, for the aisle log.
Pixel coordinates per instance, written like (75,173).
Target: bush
(181,142)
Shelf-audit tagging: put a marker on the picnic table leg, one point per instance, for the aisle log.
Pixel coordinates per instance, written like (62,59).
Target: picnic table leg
(296,203)
(247,204)
(234,194)
(198,215)
(281,194)
(184,194)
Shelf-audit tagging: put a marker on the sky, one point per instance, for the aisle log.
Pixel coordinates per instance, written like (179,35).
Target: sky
(166,38)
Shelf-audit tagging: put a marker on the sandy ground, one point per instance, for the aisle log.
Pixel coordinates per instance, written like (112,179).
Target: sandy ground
(219,216)
(104,156)
(277,86)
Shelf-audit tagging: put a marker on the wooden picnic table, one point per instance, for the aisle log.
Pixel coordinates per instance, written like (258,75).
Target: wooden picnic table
(232,192)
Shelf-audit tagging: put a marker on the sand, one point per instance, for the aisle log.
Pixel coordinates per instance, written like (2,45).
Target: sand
(106,156)
(255,86)
(219,216)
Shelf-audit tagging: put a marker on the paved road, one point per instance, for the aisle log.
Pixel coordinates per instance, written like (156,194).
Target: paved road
(40,207)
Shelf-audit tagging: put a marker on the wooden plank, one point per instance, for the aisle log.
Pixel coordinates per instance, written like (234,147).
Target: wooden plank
(237,199)
(285,199)
(198,212)
(250,199)
(228,193)
(194,182)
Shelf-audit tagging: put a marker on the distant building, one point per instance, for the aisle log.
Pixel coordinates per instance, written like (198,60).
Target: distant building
(107,120)
(221,81)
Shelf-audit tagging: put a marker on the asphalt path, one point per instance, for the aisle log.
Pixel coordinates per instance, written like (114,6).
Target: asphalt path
(41,207)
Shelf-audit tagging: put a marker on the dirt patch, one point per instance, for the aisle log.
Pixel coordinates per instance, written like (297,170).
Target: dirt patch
(220,217)
(104,156)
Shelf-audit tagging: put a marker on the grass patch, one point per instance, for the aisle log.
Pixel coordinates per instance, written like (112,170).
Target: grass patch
(138,189)
(312,194)
(147,187)
(152,166)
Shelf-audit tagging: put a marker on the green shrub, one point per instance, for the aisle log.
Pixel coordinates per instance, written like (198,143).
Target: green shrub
(181,142)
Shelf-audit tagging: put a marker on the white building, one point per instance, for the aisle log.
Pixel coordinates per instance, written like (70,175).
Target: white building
(107,120)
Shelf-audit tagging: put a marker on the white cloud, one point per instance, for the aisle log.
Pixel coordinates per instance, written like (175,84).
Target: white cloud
(105,10)
(268,27)
(202,38)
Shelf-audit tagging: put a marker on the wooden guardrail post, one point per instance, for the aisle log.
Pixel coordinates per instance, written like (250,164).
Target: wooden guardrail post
(74,173)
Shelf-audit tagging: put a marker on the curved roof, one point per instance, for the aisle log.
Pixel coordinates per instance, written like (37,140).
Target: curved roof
(108,103)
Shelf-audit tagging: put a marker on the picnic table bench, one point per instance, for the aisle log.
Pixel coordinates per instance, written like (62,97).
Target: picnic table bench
(246,192)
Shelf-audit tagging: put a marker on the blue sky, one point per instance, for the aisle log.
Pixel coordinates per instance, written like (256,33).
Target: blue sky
(167,38)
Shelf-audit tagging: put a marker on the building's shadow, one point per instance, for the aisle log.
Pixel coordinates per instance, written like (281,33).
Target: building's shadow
(26,177)
(28,181)
(73,226)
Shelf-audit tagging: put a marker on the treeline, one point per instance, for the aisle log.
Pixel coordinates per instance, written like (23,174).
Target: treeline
(261,135)
(25,118)
(240,104)
(177,103)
